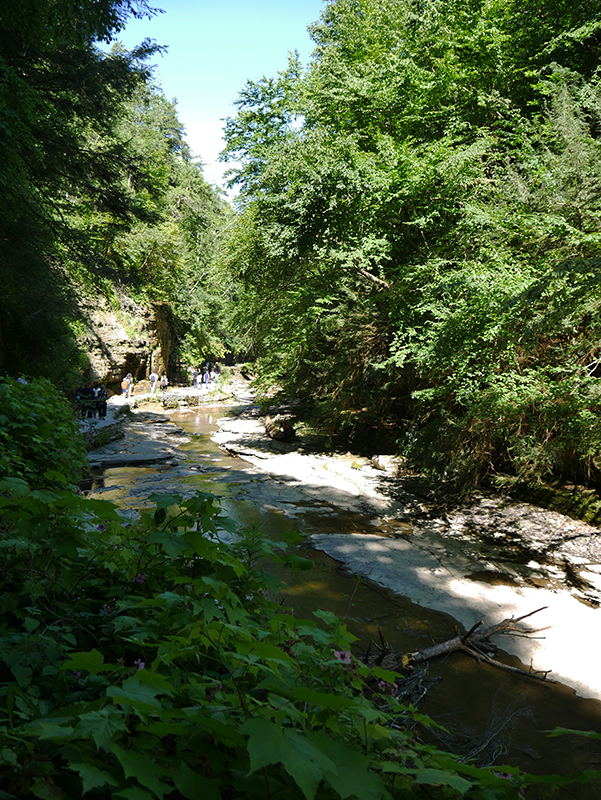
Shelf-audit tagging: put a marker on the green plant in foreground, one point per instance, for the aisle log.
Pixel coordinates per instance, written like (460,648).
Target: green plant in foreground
(39,437)
(144,659)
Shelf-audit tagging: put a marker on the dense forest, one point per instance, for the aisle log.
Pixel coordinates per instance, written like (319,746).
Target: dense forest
(100,194)
(415,243)
(417,246)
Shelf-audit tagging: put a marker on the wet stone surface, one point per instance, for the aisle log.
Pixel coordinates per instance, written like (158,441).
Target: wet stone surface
(488,559)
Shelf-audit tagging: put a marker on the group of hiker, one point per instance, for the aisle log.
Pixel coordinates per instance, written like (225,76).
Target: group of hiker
(91,400)
(154,382)
(202,377)
(127,384)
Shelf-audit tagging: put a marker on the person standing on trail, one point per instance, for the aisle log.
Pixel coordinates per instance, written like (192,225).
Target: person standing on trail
(153,378)
(101,398)
(164,384)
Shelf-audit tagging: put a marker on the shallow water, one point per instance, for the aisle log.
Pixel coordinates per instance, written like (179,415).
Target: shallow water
(481,706)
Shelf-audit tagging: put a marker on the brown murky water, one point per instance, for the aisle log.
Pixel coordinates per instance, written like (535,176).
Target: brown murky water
(483,708)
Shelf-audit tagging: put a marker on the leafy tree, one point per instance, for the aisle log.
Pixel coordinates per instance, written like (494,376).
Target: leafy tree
(168,257)
(101,192)
(60,98)
(442,170)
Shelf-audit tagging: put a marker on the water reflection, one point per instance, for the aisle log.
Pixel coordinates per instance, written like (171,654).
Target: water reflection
(481,706)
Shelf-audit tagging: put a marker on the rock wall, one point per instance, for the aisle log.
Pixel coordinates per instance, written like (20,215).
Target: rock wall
(123,336)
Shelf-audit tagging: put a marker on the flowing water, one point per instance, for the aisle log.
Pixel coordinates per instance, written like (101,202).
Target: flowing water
(484,709)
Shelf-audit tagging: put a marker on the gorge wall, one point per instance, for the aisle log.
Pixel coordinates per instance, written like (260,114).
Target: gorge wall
(120,336)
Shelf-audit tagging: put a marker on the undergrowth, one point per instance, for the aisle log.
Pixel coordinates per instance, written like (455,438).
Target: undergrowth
(146,658)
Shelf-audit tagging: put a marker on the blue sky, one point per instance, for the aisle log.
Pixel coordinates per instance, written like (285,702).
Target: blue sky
(215,46)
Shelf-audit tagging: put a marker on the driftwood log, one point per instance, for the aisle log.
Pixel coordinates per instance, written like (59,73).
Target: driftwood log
(474,643)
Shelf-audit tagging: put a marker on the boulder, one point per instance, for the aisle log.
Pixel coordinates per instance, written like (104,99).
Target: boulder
(390,464)
(279,429)
(171,400)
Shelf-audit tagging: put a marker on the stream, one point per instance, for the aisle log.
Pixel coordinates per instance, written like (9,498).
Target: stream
(488,713)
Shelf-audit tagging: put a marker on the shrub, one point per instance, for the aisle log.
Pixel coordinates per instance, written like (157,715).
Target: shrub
(145,659)
(40,440)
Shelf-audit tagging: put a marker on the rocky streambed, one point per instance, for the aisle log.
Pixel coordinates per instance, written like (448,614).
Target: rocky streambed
(490,559)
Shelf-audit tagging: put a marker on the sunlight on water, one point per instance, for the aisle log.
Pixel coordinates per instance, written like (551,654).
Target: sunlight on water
(470,700)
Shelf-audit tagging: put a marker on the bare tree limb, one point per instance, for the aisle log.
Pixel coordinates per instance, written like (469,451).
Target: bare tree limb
(466,643)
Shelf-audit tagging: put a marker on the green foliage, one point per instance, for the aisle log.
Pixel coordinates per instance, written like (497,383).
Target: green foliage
(141,658)
(430,223)
(99,188)
(60,98)
(40,440)
(166,255)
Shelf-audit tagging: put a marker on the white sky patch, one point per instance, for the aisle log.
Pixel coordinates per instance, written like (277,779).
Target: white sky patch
(214,48)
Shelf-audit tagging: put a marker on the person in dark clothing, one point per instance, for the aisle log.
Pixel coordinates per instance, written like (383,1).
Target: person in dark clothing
(85,400)
(101,398)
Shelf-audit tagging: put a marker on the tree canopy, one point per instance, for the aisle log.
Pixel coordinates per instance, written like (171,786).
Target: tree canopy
(98,187)
(422,200)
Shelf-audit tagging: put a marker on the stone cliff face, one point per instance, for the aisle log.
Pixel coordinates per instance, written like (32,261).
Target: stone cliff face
(126,337)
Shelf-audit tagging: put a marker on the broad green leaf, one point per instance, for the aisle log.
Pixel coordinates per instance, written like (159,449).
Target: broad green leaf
(353,777)
(563,780)
(15,487)
(324,699)
(194,786)
(92,662)
(156,680)
(146,771)
(174,545)
(385,675)
(44,789)
(22,674)
(439,777)
(166,500)
(328,617)
(297,563)
(50,729)
(269,743)
(262,650)
(8,756)
(585,734)
(223,731)
(199,542)
(136,694)
(92,777)
(102,725)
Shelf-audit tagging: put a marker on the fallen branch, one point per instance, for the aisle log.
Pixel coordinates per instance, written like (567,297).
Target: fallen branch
(465,643)
(538,674)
